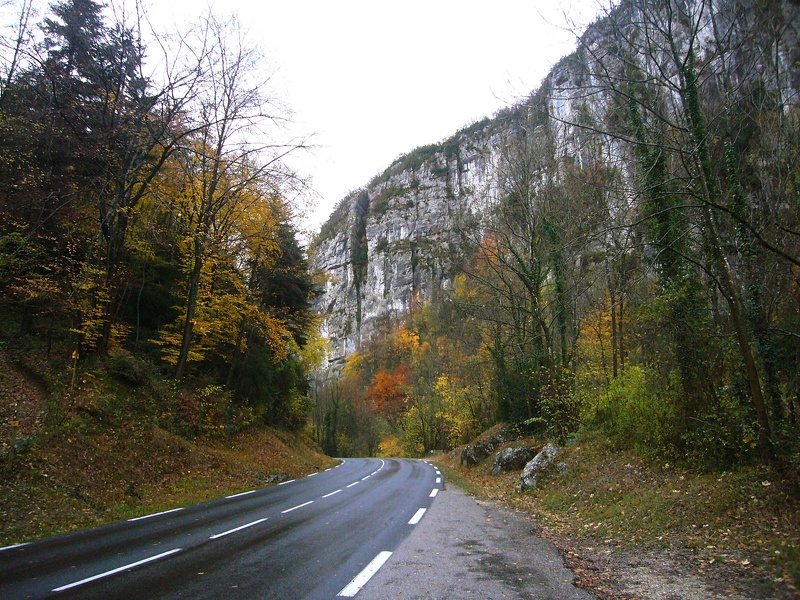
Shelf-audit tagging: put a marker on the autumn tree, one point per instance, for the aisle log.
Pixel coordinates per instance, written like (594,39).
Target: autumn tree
(689,88)
(387,392)
(227,173)
(134,191)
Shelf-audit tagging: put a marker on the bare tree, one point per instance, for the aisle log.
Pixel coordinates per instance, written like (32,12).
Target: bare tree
(688,86)
(231,159)
(16,43)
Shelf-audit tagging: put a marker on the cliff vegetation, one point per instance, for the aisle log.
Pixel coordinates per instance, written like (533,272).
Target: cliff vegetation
(618,253)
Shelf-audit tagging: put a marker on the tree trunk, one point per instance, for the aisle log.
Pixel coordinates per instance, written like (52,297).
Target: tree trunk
(710,192)
(191,309)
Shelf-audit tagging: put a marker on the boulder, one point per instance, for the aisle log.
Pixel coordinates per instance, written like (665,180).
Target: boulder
(540,462)
(511,459)
(472,455)
(275,477)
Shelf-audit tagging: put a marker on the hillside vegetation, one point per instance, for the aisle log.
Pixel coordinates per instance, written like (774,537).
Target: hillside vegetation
(632,527)
(636,266)
(155,297)
(634,281)
(112,452)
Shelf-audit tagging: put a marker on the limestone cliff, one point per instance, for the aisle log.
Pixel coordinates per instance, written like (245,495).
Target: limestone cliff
(402,236)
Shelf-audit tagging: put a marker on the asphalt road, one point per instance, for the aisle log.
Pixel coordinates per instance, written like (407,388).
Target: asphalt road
(315,537)
(470,549)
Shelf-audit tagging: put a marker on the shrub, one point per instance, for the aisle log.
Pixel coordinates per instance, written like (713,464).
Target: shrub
(638,410)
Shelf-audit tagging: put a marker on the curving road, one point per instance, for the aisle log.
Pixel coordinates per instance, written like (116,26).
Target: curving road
(321,536)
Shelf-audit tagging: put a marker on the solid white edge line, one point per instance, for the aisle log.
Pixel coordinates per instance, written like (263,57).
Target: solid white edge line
(114,571)
(14,546)
(165,512)
(434,491)
(219,535)
(354,483)
(417,516)
(288,510)
(312,474)
(285,482)
(332,493)
(362,578)
(242,494)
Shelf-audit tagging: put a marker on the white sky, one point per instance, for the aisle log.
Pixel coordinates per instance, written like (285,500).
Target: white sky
(372,80)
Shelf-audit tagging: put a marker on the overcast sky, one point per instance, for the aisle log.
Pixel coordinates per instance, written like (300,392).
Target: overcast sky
(372,80)
(375,79)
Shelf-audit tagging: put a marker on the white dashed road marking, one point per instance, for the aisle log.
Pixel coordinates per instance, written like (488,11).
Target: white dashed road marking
(362,578)
(114,571)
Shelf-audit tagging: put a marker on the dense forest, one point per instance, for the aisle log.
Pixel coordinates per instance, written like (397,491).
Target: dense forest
(639,272)
(147,227)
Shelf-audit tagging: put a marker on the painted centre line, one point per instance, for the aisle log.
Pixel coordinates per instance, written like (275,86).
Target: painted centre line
(354,483)
(165,512)
(434,491)
(224,533)
(417,516)
(365,478)
(242,494)
(14,546)
(332,493)
(115,571)
(288,510)
(362,578)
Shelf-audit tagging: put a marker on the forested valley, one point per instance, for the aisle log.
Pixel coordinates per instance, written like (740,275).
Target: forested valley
(632,282)
(637,271)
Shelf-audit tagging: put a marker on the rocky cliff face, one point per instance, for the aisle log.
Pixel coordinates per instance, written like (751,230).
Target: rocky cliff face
(404,234)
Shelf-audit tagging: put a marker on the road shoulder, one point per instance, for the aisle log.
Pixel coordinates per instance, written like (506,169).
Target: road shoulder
(465,548)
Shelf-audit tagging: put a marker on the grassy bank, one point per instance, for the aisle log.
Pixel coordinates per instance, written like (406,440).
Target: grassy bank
(69,481)
(739,530)
(110,446)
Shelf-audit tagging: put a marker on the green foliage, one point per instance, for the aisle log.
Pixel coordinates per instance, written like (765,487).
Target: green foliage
(338,219)
(130,369)
(638,411)
(380,205)
(725,435)
(359,251)
(275,390)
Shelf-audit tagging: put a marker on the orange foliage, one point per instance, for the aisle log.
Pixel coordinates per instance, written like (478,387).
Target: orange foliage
(387,393)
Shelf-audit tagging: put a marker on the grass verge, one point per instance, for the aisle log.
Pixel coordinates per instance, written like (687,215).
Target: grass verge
(741,524)
(65,481)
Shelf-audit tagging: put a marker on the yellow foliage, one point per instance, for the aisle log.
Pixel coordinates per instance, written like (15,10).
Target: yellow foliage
(352,364)
(390,446)
(315,351)
(405,340)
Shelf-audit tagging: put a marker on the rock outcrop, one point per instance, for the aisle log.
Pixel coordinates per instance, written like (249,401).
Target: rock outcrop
(540,462)
(511,459)
(404,235)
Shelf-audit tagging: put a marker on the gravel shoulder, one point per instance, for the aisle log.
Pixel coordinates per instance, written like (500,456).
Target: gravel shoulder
(465,548)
